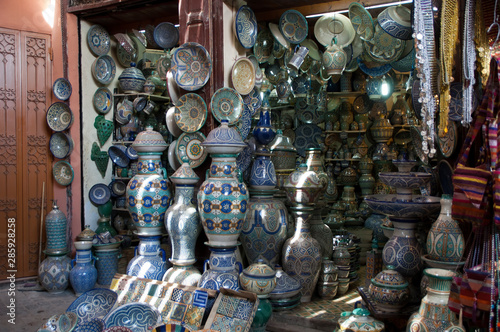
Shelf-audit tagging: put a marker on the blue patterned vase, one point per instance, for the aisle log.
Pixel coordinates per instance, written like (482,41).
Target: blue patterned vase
(83,275)
(445,241)
(223,272)
(148,193)
(147,262)
(181,219)
(263,132)
(186,275)
(263,175)
(53,272)
(302,254)
(107,265)
(223,197)
(55,228)
(265,228)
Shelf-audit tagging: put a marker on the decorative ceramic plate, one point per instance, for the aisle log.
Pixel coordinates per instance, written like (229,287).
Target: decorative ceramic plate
(243,76)
(172,88)
(63,172)
(102,100)
(448,142)
(244,124)
(293,26)
(307,136)
(93,325)
(190,113)
(189,149)
(362,104)
(125,58)
(396,21)
(361,20)
(191,66)
(95,303)
(136,316)
(104,69)
(263,47)
(384,47)
(61,145)
(373,71)
(245,25)
(99,194)
(278,36)
(59,116)
(334,26)
(166,35)
(253,101)
(163,65)
(98,40)
(172,159)
(226,104)
(244,159)
(65,322)
(62,89)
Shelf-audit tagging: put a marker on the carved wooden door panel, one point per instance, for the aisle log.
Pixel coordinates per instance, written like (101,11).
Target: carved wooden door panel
(25,163)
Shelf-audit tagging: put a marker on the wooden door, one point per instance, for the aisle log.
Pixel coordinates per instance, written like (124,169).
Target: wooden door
(25,159)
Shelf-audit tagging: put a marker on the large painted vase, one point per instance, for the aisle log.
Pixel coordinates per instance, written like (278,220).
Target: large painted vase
(224,270)
(55,228)
(223,196)
(53,273)
(83,275)
(186,275)
(265,228)
(181,219)
(148,192)
(150,260)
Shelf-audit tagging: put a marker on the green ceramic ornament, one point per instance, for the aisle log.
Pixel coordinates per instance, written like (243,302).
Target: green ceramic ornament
(101,158)
(104,128)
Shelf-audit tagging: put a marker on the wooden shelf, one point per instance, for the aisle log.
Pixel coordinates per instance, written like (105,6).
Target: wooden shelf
(142,94)
(120,209)
(123,142)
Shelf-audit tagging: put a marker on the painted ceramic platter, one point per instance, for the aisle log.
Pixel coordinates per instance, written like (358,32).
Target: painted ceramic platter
(63,173)
(102,100)
(448,141)
(383,47)
(226,104)
(166,35)
(263,47)
(396,21)
(61,145)
(245,26)
(62,89)
(361,20)
(244,124)
(278,36)
(173,89)
(243,76)
(104,69)
(189,149)
(332,26)
(374,71)
(125,58)
(253,100)
(98,40)
(293,26)
(59,116)
(136,316)
(99,194)
(191,66)
(190,113)
(307,136)
(163,65)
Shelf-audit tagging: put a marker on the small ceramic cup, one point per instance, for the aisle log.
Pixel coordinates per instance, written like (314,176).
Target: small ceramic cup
(140,103)
(149,108)
(298,58)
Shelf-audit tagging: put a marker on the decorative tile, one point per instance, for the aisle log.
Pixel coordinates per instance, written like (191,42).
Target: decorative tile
(244,310)
(177,295)
(178,312)
(200,298)
(193,317)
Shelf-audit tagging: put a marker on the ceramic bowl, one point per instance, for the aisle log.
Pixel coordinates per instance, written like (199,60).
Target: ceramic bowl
(124,111)
(99,194)
(327,290)
(263,47)
(61,145)
(118,155)
(189,149)
(63,173)
(131,153)
(104,69)
(118,188)
(332,26)
(166,35)
(62,89)
(293,26)
(95,303)
(59,116)
(172,159)
(396,21)
(136,316)
(139,103)
(171,124)
(328,277)
(409,180)
(226,104)
(191,66)
(286,286)
(102,100)
(93,325)
(361,20)
(245,27)
(343,285)
(131,80)
(243,76)
(65,322)
(258,278)
(419,207)
(98,40)
(173,89)
(278,36)
(190,113)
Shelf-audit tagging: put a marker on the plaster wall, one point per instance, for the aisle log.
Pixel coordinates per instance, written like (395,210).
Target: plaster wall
(232,47)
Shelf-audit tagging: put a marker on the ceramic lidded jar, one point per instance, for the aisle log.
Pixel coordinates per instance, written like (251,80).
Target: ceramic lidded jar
(360,320)
(389,290)
(55,227)
(223,197)
(283,153)
(148,192)
(303,187)
(131,80)
(286,286)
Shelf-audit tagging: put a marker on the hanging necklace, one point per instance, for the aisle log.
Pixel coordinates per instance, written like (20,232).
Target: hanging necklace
(468,63)
(482,47)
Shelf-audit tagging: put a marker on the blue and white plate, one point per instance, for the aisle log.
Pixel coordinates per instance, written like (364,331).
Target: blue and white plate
(244,125)
(253,100)
(191,66)
(166,35)
(62,89)
(104,69)
(293,26)
(383,47)
(95,303)
(245,25)
(59,116)
(61,145)
(226,104)
(307,136)
(138,317)
(361,20)
(99,194)
(118,154)
(373,71)
(396,21)
(63,173)
(102,100)
(98,40)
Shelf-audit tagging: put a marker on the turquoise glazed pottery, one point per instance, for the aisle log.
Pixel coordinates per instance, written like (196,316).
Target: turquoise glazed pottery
(445,240)
(389,290)
(148,193)
(60,323)
(223,198)
(181,219)
(55,228)
(95,303)
(53,272)
(138,317)
(106,265)
(59,116)
(83,275)
(265,228)
(223,271)
(131,80)
(150,260)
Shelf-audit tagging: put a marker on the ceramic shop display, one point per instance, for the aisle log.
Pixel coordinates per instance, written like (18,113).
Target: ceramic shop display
(224,269)
(83,275)
(104,69)
(131,80)
(223,197)
(149,260)
(53,272)
(55,229)
(148,193)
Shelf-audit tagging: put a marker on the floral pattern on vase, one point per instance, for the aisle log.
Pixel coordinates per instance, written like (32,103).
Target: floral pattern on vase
(147,262)
(53,273)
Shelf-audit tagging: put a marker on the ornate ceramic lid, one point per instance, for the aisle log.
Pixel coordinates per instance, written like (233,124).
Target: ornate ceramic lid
(86,235)
(281,143)
(184,175)
(285,283)
(259,270)
(390,278)
(224,137)
(149,141)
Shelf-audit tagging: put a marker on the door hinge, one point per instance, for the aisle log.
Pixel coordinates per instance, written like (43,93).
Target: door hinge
(51,53)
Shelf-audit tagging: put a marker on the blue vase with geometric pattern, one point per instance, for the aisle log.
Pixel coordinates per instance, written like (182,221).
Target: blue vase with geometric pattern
(83,275)
(150,259)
